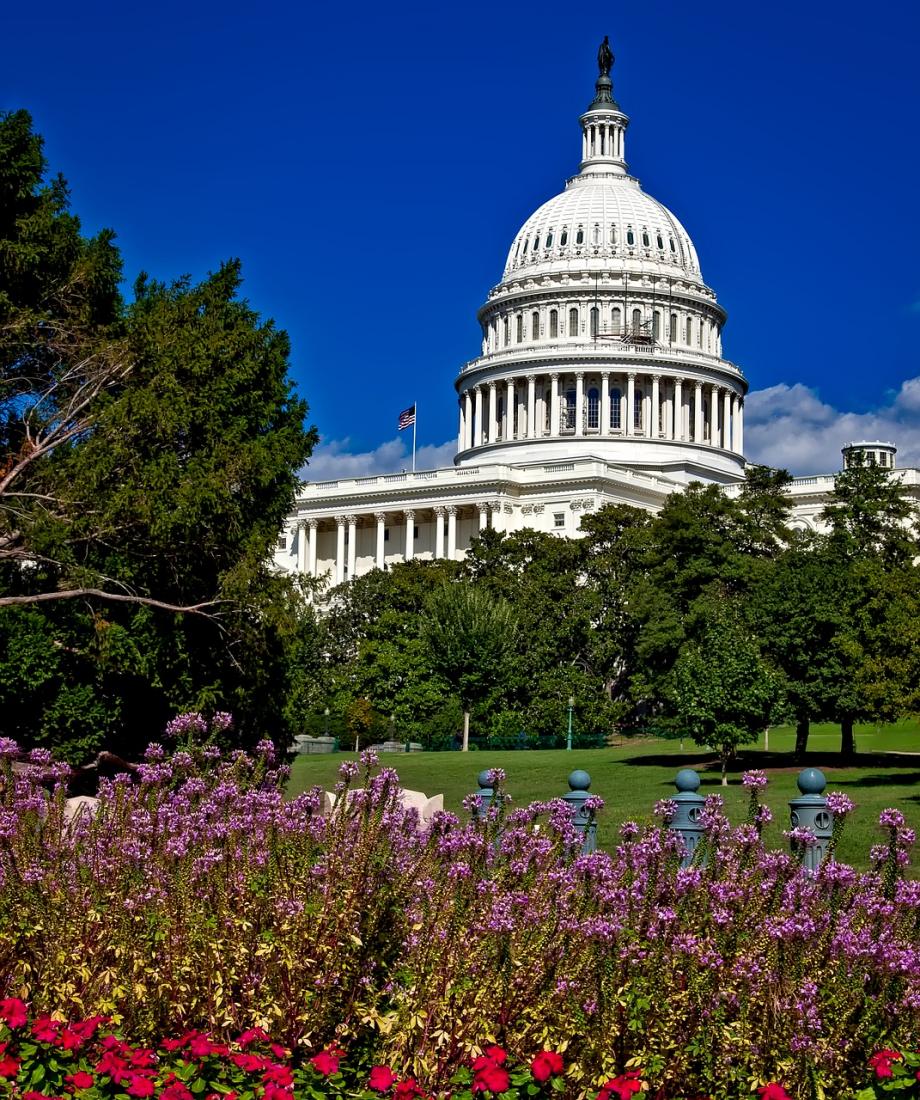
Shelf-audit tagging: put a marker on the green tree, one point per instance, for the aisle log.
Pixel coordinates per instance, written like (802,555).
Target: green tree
(469,636)
(722,691)
(870,514)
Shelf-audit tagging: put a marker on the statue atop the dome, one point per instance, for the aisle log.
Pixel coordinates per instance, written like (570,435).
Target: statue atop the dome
(605,57)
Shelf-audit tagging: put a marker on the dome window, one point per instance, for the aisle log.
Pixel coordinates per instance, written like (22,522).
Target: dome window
(616,406)
(536,243)
(564,239)
(535,325)
(526,243)
(597,234)
(549,239)
(613,234)
(671,242)
(519,326)
(638,402)
(573,321)
(506,335)
(630,237)
(553,324)
(660,243)
(645,241)
(594,410)
(569,410)
(616,320)
(595,321)
(580,236)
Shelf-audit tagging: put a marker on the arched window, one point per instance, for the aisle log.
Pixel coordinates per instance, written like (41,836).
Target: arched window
(660,242)
(506,335)
(553,324)
(638,399)
(573,321)
(564,239)
(699,335)
(594,409)
(526,243)
(656,325)
(569,410)
(630,237)
(616,320)
(613,234)
(595,320)
(636,321)
(549,239)
(536,243)
(547,408)
(580,236)
(519,325)
(689,331)
(596,237)
(500,416)
(645,241)
(672,331)
(673,246)
(535,325)
(616,409)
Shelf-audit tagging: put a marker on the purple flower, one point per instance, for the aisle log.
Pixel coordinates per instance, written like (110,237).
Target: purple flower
(800,835)
(666,809)
(8,747)
(755,780)
(840,804)
(40,756)
(891,819)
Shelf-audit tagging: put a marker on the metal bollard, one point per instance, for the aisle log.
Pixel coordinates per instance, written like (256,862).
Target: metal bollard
(579,784)
(686,822)
(485,793)
(810,812)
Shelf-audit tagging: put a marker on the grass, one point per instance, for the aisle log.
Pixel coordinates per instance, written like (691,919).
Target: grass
(632,776)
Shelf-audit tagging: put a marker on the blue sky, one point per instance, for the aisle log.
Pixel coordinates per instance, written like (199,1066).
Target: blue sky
(370,165)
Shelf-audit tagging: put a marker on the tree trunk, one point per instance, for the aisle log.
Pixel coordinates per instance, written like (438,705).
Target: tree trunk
(847,740)
(766,739)
(724,771)
(802,728)
(466,731)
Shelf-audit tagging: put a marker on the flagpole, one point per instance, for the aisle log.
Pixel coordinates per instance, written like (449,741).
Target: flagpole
(414,422)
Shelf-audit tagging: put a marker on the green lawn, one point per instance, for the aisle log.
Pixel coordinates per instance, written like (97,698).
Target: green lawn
(632,776)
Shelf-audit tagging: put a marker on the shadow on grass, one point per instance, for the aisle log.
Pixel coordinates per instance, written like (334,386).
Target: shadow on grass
(900,769)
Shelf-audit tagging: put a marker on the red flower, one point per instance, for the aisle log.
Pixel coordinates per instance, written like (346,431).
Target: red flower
(45,1029)
(249,1063)
(172,1044)
(276,1092)
(326,1062)
(253,1035)
(9,1066)
(81,1079)
(143,1059)
(282,1052)
(381,1079)
(70,1039)
(622,1087)
(491,1078)
(498,1056)
(14,1012)
(279,1075)
(141,1086)
(407,1090)
(87,1028)
(881,1062)
(773,1091)
(546,1064)
(175,1091)
(114,1066)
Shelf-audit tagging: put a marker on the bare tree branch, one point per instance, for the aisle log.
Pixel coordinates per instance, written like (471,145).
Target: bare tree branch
(99,594)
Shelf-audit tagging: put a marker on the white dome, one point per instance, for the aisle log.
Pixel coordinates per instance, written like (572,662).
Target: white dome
(601,217)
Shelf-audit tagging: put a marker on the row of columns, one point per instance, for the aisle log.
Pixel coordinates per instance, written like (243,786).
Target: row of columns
(346,538)
(479,417)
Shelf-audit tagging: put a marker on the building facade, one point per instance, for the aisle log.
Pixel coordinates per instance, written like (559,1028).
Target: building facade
(600,379)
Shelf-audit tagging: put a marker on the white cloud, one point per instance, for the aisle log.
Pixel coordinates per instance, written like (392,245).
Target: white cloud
(790,426)
(333,459)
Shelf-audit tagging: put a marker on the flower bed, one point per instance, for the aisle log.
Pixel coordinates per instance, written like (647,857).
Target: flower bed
(196,901)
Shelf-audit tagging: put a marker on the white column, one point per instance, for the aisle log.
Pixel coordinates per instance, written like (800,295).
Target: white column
(646,411)
(736,408)
(493,408)
(605,403)
(483,517)
(461,432)
(714,416)
(510,401)
(630,403)
(311,550)
(698,413)
(678,424)
(468,419)
(579,403)
(381,519)
(301,548)
(339,549)
(478,416)
(531,406)
(727,421)
(452,532)
(352,546)
(739,446)
(656,406)
(439,532)
(410,535)
(554,406)
(496,510)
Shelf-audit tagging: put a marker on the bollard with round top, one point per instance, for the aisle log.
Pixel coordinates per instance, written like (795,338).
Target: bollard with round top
(579,785)
(485,793)
(809,811)
(686,822)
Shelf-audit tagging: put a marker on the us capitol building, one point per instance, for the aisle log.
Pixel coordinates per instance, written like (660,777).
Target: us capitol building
(600,380)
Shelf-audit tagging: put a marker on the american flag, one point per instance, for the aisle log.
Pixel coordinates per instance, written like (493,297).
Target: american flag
(407,418)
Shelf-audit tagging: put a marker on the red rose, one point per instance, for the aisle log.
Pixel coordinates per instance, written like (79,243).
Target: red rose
(498,1056)
(325,1062)
(282,1076)
(773,1091)
(253,1035)
(249,1063)
(9,1066)
(45,1029)
(81,1079)
(175,1091)
(545,1065)
(491,1078)
(881,1062)
(71,1039)
(14,1012)
(622,1087)
(381,1079)
(407,1090)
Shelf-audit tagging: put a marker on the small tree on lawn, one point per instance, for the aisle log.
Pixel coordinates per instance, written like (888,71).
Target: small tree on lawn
(723,692)
(469,635)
